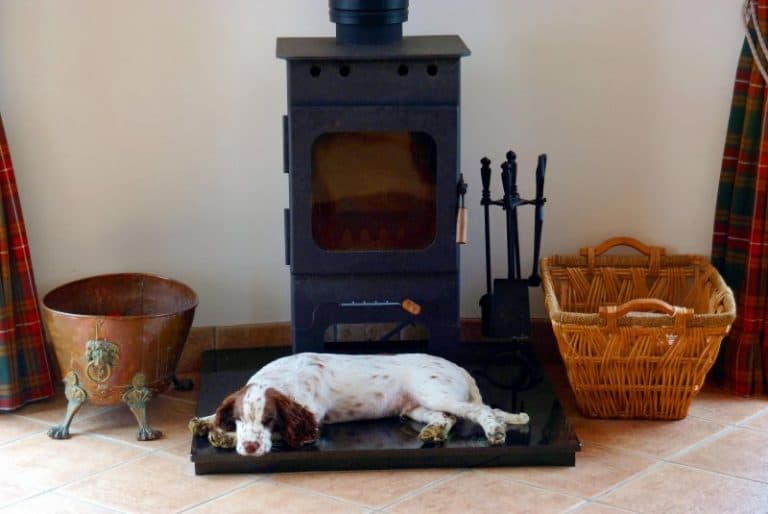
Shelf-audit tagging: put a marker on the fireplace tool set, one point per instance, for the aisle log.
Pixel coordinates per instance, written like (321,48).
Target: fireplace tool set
(505,308)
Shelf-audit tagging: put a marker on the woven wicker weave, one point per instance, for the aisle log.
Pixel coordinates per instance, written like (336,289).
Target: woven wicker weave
(639,333)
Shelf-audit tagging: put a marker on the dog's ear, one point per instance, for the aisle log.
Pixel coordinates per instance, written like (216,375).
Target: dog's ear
(229,410)
(298,424)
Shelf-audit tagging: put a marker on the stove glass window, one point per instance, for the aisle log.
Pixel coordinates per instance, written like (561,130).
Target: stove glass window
(373,191)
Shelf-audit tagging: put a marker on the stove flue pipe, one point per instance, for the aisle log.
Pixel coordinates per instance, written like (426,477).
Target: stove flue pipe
(368,22)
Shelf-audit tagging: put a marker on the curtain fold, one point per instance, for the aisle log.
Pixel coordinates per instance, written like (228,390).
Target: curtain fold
(740,239)
(25,374)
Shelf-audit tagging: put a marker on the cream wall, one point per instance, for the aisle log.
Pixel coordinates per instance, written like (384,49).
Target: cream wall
(146,134)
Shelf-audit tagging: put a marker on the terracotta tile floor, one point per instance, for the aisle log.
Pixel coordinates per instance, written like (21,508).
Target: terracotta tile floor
(715,460)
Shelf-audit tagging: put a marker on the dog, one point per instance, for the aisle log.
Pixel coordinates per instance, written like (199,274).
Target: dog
(295,395)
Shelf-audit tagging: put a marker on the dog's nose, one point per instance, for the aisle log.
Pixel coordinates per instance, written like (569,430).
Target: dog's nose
(250,447)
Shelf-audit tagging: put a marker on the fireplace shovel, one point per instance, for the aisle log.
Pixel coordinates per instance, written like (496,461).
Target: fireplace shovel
(505,308)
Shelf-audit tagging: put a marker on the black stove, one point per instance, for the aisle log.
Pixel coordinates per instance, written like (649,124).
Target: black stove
(372,153)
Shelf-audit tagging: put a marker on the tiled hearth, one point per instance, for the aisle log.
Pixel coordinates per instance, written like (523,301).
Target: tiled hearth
(716,460)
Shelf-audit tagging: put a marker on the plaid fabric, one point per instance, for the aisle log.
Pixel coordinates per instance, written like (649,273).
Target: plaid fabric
(24,371)
(740,240)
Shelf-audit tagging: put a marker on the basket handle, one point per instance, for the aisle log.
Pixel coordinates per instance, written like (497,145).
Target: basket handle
(623,241)
(611,313)
(653,252)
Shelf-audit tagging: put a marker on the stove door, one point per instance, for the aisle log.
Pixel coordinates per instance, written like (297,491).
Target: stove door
(373,189)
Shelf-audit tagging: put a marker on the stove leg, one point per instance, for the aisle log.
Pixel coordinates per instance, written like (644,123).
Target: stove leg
(136,398)
(76,397)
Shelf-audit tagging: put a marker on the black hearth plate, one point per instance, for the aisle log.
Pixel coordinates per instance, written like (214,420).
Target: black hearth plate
(507,374)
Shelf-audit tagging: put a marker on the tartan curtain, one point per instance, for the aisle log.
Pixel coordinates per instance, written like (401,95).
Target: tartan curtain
(25,375)
(740,240)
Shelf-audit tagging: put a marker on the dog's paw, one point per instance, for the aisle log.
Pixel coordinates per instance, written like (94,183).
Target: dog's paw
(221,439)
(520,418)
(313,440)
(199,426)
(517,419)
(433,433)
(497,434)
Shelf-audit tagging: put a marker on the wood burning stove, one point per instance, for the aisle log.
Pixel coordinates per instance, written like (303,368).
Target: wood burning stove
(372,152)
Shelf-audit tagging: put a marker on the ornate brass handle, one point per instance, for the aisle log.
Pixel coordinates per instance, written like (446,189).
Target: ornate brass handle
(101,356)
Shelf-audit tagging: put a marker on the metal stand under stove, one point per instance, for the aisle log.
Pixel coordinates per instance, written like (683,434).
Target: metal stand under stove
(508,376)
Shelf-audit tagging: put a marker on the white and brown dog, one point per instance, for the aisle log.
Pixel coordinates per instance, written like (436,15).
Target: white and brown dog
(294,395)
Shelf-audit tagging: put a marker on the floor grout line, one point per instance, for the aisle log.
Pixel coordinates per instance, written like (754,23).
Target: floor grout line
(60,488)
(667,460)
(533,485)
(63,492)
(20,438)
(738,423)
(139,445)
(752,429)
(320,493)
(33,496)
(225,494)
(111,439)
(576,507)
(701,442)
(632,478)
(587,503)
(720,473)
(725,427)
(661,462)
(88,501)
(426,487)
(754,416)
(29,418)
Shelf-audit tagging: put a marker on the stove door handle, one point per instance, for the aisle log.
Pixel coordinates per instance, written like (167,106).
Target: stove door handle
(461,212)
(286,153)
(411,307)
(287,228)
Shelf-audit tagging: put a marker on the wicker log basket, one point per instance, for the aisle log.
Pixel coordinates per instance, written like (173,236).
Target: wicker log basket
(637,333)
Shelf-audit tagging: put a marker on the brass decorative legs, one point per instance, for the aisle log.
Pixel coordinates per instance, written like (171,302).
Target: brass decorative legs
(76,396)
(136,397)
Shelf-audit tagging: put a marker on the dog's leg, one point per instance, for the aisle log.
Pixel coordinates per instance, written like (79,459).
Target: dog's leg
(495,430)
(217,437)
(508,418)
(201,426)
(438,424)
(221,439)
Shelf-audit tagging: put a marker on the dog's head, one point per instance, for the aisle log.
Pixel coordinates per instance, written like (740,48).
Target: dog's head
(255,411)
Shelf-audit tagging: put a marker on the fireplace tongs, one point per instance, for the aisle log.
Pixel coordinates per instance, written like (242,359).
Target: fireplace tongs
(505,308)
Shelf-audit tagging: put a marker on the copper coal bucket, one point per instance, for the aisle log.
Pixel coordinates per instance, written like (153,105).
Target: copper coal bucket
(117,338)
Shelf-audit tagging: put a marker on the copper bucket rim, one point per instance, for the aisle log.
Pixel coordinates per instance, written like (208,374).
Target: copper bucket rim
(194,299)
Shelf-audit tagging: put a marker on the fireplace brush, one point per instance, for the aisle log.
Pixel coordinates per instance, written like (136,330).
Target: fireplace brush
(505,306)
